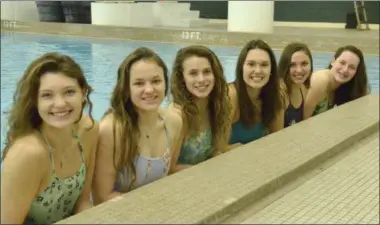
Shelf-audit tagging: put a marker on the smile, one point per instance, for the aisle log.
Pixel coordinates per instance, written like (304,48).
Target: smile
(150,98)
(61,113)
(202,87)
(256,78)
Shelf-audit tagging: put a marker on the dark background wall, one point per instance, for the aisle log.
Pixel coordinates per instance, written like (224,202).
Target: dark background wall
(296,11)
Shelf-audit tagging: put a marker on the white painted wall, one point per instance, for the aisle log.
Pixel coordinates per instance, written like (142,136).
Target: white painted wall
(19,10)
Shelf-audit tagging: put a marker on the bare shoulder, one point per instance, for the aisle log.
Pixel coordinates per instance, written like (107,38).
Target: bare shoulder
(319,79)
(172,119)
(175,108)
(106,124)
(28,152)
(88,127)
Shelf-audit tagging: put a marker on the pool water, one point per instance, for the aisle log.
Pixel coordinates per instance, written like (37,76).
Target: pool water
(101,58)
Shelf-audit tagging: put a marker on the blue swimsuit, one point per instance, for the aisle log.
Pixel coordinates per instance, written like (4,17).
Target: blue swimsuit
(147,170)
(293,115)
(243,134)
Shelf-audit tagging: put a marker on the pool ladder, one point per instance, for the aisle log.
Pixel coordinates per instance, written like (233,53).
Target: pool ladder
(361,15)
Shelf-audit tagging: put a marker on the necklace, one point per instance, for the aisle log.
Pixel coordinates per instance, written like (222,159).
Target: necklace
(146,135)
(64,152)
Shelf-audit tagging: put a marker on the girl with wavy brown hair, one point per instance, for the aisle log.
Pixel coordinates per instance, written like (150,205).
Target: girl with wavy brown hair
(49,155)
(258,105)
(295,67)
(137,137)
(200,96)
(344,80)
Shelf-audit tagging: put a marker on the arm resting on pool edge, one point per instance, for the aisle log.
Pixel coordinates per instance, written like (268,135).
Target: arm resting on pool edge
(316,93)
(105,171)
(23,170)
(88,136)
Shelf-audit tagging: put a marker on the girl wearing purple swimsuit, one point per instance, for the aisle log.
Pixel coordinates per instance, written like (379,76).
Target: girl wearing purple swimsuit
(137,138)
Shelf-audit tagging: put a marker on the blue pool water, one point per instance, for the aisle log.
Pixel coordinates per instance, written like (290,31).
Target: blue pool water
(100,59)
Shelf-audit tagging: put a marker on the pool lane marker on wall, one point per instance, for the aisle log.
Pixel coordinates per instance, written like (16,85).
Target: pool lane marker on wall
(191,35)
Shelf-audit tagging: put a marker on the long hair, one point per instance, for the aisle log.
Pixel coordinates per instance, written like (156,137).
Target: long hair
(270,93)
(23,115)
(286,61)
(358,86)
(218,104)
(125,123)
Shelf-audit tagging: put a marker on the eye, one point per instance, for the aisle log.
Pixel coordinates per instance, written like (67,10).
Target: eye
(70,92)
(157,81)
(207,71)
(193,73)
(250,63)
(46,95)
(139,83)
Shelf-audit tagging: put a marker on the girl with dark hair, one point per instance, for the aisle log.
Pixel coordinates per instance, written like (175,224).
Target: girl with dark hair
(344,80)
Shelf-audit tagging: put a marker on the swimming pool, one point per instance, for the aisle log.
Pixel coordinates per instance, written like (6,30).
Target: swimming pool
(100,59)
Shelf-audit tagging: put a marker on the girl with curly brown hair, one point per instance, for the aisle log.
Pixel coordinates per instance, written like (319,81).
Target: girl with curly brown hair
(200,96)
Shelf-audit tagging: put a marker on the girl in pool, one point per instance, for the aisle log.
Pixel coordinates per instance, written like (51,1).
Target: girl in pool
(258,107)
(49,154)
(295,67)
(200,96)
(137,138)
(344,80)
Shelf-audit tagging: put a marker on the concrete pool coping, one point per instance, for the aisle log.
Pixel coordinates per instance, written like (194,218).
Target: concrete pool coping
(318,39)
(216,189)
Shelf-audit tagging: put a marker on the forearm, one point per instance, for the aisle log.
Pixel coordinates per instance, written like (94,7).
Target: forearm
(84,205)
(180,167)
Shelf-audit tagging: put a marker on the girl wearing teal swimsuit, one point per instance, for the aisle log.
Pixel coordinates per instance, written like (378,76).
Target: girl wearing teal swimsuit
(46,172)
(255,94)
(200,95)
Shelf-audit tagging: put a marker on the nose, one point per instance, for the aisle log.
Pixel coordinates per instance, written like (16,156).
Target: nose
(59,101)
(148,88)
(201,77)
(299,69)
(345,68)
(258,69)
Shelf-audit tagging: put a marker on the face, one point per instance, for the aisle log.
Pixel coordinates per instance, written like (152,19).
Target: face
(198,76)
(344,67)
(300,67)
(256,68)
(60,100)
(147,85)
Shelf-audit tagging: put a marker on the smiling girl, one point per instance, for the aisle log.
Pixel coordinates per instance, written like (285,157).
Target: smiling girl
(50,149)
(258,107)
(200,97)
(295,67)
(137,138)
(344,80)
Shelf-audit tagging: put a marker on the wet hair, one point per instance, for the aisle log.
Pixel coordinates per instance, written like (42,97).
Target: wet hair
(270,94)
(219,102)
(124,112)
(358,86)
(286,61)
(24,117)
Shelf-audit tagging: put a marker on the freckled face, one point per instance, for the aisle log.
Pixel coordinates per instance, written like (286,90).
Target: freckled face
(60,100)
